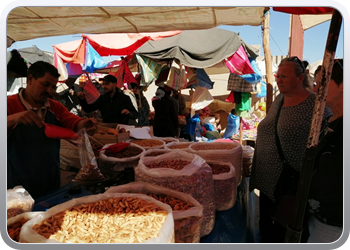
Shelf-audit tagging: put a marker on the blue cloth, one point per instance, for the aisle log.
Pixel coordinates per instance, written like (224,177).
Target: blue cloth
(93,60)
(191,122)
(208,127)
(232,126)
(253,78)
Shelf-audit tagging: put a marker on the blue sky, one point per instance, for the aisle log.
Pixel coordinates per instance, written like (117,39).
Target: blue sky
(314,38)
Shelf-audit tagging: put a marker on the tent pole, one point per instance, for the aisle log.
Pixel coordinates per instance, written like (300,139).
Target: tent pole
(268,61)
(240,130)
(295,229)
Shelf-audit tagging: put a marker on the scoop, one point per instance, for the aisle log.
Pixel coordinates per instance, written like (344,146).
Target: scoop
(56,132)
(115,148)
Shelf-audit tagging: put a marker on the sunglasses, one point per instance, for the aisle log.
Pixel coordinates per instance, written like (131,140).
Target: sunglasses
(290,59)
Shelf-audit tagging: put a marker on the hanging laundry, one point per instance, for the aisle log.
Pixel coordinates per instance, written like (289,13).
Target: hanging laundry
(150,70)
(237,83)
(177,76)
(230,98)
(203,79)
(254,77)
(239,63)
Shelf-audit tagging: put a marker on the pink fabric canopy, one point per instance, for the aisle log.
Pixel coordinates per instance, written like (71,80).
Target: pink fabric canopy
(120,44)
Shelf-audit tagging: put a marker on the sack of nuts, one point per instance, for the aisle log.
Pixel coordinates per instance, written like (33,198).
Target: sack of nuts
(103,218)
(127,157)
(179,145)
(225,188)
(221,151)
(14,224)
(154,152)
(187,212)
(183,172)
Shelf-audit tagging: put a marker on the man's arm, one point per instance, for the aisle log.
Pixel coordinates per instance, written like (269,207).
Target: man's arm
(88,107)
(27,117)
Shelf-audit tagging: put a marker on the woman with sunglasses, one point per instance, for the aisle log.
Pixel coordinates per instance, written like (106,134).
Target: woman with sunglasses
(325,202)
(286,124)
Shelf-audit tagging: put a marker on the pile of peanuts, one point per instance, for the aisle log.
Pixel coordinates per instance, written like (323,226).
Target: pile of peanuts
(115,220)
(219,169)
(213,146)
(180,145)
(155,153)
(176,164)
(174,203)
(148,143)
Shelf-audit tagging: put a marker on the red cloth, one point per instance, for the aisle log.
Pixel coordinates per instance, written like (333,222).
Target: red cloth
(239,63)
(304,10)
(230,98)
(91,92)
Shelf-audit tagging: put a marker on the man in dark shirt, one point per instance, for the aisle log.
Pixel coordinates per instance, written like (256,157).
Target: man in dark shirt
(115,107)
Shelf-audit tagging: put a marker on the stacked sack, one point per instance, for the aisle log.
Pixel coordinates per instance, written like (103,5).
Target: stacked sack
(221,151)
(183,172)
(187,212)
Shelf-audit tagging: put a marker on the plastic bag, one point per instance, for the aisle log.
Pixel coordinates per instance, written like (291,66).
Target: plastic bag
(103,224)
(187,222)
(225,187)
(89,170)
(18,201)
(195,178)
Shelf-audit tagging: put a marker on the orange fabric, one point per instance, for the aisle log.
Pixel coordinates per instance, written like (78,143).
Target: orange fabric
(72,51)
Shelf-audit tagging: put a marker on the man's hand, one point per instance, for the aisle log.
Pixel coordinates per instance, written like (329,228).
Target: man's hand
(90,124)
(125,112)
(28,117)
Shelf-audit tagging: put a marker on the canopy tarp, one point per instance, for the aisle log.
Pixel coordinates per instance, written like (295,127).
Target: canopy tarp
(216,45)
(107,44)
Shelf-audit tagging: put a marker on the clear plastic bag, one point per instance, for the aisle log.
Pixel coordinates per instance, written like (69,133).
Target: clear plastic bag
(18,201)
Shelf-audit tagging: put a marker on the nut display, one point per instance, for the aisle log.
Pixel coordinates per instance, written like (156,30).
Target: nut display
(115,220)
(176,164)
(129,151)
(14,229)
(149,143)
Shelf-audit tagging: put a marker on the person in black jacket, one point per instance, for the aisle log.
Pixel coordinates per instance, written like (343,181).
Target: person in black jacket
(114,105)
(166,122)
(325,201)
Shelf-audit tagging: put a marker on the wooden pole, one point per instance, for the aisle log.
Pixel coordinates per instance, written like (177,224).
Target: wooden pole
(294,230)
(268,62)
(240,130)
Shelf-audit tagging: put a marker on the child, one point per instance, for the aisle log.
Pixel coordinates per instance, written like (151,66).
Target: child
(232,125)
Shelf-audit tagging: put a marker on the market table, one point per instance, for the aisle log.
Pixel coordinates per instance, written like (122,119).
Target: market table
(235,225)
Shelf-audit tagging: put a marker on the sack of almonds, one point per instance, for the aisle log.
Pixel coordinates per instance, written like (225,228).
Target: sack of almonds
(187,212)
(221,151)
(103,218)
(225,188)
(184,172)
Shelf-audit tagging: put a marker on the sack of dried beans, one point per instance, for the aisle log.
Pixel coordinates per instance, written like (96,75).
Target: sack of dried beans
(225,187)
(103,218)
(187,212)
(184,172)
(221,151)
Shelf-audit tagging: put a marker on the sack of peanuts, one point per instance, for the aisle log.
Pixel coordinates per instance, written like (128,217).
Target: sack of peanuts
(179,145)
(187,212)
(248,153)
(183,172)
(150,143)
(14,224)
(154,152)
(18,201)
(221,151)
(166,139)
(225,188)
(103,218)
(126,158)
